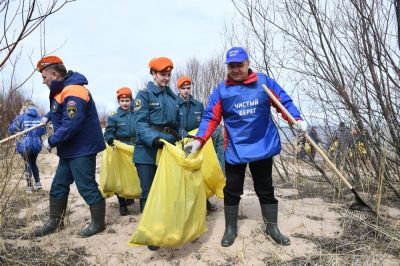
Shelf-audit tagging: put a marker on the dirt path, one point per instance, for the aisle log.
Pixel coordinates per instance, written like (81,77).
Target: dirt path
(298,218)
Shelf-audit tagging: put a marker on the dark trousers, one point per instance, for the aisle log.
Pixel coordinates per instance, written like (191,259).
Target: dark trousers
(30,165)
(261,171)
(146,173)
(81,170)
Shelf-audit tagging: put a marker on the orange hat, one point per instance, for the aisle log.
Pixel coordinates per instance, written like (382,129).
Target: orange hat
(124,92)
(47,61)
(183,81)
(161,64)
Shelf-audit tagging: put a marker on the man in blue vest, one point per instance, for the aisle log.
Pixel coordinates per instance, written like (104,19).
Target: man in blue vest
(252,139)
(78,138)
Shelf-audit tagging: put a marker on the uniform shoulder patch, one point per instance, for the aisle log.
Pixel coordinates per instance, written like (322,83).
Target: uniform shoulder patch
(138,105)
(72,109)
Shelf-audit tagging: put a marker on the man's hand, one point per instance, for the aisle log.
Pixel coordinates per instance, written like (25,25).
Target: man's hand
(46,145)
(300,126)
(44,120)
(192,147)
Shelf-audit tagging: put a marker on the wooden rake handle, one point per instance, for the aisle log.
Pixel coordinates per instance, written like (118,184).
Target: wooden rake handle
(21,133)
(309,139)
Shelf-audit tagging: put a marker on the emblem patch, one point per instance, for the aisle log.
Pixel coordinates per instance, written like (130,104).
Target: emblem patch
(138,105)
(54,106)
(72,109)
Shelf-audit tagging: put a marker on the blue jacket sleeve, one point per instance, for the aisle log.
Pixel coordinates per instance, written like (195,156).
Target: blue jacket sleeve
(109,133)
(211,118)
(16,125)
(71,123)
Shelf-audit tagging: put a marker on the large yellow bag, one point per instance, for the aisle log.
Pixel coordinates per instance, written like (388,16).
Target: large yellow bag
(211,170)
(175,210)
(118,174)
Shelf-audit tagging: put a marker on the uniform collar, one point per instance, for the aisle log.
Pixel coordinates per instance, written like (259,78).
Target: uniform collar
(157,90)
(250,79)
(182,101)
(121,111)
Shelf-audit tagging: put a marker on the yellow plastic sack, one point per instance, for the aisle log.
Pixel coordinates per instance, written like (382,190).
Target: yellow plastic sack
(175,210)
(211,170)
(118,174)
(361,148)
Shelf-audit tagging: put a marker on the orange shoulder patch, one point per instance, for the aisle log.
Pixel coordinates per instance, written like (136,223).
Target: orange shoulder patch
(73,90)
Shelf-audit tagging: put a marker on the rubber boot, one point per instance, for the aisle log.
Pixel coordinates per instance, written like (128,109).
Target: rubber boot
(270,216)
(123,210)
(231,214)
(98,213)
(56,217)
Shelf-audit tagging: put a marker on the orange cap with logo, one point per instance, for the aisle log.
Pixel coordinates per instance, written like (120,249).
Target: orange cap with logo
(183,81)
(161,64)
(124,92)
(48,61)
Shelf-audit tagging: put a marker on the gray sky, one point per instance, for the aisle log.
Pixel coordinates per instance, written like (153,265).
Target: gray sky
(111,42)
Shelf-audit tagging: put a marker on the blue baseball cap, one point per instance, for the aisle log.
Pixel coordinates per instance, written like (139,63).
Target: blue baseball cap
(236,54)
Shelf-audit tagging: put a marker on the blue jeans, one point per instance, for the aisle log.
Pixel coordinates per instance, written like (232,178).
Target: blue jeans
(146,174)
(81,170)
(30,165)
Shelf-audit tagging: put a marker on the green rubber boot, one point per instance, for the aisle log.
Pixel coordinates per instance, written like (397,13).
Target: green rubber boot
(98,213)
(231,214)
(270,216)
(56,217)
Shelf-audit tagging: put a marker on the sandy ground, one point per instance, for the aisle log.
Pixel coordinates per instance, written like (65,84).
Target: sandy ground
(306,216)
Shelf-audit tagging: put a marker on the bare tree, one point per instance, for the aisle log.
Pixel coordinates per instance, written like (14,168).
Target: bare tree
(342,56)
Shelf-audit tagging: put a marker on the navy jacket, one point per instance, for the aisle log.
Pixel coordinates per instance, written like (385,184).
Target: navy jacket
(190,113)
(30,142)
(77,130)
(154,107)
(120,126)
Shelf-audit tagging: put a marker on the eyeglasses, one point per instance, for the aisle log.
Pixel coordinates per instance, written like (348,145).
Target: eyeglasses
(186,88)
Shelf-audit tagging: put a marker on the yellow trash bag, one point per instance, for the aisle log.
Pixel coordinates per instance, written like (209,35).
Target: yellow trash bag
(118,173)
(361,148)
(211,170)
(175,210)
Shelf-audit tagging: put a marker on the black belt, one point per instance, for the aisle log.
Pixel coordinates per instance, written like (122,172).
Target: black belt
(167,130)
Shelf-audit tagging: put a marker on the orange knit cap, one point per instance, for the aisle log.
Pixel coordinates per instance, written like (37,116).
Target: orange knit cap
(124,92)
(183,81)
(47,61)
(161,64)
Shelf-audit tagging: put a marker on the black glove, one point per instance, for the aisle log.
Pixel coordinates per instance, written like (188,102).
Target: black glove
(157,143)
(110,142)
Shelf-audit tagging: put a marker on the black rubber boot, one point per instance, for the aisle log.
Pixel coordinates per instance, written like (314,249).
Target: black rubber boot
(231,214)
(98,213)
(270,216)
(210,207)
(123,210)
(56,217)
(129,202)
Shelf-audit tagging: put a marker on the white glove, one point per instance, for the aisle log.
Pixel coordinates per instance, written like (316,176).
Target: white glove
(300,126)
(192,147)
(44,120)
(46,145)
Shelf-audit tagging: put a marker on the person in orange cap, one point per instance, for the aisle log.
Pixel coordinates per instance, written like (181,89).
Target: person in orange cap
(120,126)
(156,117)
(78,138)
(191,111)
